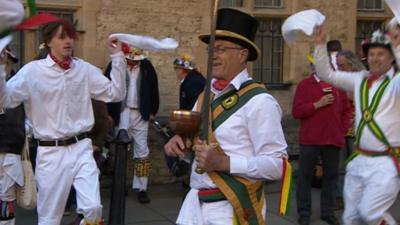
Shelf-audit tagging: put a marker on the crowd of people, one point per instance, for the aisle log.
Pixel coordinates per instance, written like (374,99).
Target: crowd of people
(69,109)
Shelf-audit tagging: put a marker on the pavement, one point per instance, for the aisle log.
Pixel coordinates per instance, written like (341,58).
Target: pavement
(166,200)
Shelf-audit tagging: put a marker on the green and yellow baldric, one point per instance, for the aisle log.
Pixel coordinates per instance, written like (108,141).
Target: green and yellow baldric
(246,197)
(367,119)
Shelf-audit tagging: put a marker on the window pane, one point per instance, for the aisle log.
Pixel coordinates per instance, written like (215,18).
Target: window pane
(231,3)
(370,5)
(267,3)
(365,29)
(268,67)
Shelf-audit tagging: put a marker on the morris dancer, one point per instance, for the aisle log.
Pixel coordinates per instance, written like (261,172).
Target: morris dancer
(57,92)
(249,144)
(372,180)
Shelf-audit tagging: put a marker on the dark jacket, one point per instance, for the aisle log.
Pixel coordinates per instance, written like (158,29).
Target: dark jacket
(149,99)
(12,130)
(102,125)
(190,89)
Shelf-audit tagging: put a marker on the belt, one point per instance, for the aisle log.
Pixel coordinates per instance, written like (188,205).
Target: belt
(211,195)
(132,108)
(64,142)
(394,152)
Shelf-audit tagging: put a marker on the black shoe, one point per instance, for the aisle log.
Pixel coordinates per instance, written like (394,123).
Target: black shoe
(123,137)
(304,220)
(331,220)
(143,198)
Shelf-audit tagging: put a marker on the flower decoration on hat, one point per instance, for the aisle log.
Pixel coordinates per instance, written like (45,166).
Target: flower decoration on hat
(132,53)
(185,62)
(378,37)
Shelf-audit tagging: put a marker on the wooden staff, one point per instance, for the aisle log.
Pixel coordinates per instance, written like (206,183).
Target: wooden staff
(205,111)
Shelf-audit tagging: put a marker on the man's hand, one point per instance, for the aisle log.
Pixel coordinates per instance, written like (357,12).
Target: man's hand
(113,45)
(319,35)
(324,101)
(209,159)
(152,117)
(175,146)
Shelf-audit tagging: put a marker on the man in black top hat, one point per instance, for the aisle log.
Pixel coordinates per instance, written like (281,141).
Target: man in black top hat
(247,144)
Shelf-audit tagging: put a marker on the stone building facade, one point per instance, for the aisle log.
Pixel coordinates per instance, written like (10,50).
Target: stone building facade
(281,66)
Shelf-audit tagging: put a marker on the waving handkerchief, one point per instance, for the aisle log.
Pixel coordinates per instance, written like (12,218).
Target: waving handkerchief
(394,5)
(302,21)
(146,42)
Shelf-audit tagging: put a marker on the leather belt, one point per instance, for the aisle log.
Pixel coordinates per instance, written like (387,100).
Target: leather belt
(132,108)
(65,142)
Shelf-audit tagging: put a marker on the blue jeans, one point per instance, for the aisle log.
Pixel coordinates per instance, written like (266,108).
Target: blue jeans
(309,154)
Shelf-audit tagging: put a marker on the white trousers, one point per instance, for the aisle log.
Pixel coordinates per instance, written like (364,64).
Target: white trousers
(7,182)
(370,189)
(57,168)
(137,128)
(194,212)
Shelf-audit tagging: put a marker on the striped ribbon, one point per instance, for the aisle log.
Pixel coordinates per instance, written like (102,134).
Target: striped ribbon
(286,189)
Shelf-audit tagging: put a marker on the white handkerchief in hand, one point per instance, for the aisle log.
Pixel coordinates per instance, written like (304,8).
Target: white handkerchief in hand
(394,5)
(146,42)
(304,21)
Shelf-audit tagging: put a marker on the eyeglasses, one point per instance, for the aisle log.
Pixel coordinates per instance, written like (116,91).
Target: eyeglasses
(223,49)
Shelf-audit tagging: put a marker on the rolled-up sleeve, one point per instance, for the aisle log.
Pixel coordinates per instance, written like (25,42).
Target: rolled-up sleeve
(267,137)
(113,90)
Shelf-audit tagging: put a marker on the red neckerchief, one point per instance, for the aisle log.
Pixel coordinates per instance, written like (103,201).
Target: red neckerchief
(64,64)
(131,65)
(220,84)
(371,79)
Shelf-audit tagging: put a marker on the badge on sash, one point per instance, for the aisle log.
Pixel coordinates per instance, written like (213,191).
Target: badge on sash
(230,101)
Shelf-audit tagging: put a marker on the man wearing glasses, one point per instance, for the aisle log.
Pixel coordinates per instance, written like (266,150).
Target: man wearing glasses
(247,144)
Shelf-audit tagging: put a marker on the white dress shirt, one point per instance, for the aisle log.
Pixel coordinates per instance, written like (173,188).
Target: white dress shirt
(132,98)
(252,137)
(388,110)
(57,101)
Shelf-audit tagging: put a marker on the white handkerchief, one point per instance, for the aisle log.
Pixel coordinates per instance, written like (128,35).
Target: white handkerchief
(11,13)
(304,21)
(146,42)
(4,42)
(394,5)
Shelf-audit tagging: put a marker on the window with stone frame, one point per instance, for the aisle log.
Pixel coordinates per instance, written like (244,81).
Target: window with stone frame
(365,28)
(268,68)
(231,3)
(370,5)
(268,3)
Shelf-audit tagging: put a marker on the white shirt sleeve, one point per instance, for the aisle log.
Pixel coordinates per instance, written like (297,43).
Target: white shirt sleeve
(16,90)
(339,79)
(113,90)
(265,131)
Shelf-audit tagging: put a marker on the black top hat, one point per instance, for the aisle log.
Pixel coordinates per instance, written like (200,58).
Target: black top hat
(238,27)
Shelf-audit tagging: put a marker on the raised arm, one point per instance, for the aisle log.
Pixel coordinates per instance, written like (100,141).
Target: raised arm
(113,90)
(339,79)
